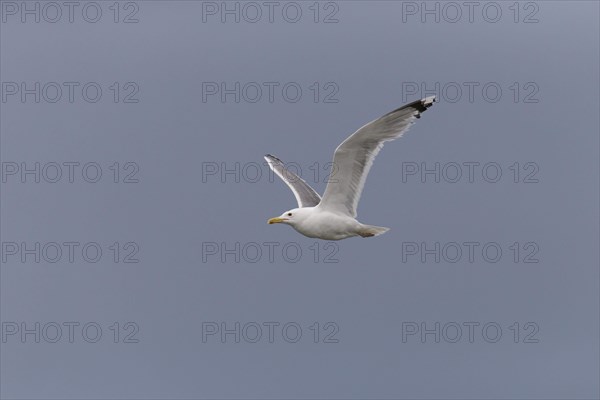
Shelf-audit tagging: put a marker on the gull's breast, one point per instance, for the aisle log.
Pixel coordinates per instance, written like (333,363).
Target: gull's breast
(328,226)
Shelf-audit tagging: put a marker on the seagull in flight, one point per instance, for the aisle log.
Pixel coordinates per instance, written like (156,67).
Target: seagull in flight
(333,217)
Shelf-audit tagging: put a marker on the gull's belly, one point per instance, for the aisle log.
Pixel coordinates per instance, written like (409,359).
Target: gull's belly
(329,226)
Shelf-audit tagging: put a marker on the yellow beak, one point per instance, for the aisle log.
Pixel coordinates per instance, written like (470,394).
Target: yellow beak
(276,220)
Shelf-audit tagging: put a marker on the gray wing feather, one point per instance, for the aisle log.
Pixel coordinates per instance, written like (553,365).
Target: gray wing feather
(305,195)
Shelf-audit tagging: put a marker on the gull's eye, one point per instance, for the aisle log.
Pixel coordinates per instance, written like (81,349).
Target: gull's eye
(289,214)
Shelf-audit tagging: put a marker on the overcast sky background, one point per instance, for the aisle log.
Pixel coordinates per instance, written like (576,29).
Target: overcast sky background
(174,213)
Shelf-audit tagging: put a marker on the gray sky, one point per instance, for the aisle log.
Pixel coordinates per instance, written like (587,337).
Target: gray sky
(184,191)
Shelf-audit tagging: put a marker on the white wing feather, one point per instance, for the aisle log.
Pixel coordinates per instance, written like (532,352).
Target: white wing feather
(353,158)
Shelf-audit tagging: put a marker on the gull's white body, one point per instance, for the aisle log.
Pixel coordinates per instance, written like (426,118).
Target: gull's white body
(321,224)
(334,216)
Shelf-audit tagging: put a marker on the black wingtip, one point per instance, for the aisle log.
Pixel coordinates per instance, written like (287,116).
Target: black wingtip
(272,157)
(419,105)
(423,104)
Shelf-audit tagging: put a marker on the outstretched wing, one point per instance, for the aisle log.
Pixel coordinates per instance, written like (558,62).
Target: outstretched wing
(353,158)
(305,195)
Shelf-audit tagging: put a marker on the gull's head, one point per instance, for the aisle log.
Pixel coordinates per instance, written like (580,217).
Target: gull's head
(291,217)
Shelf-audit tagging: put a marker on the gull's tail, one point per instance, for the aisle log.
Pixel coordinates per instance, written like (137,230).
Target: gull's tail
(371,230)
